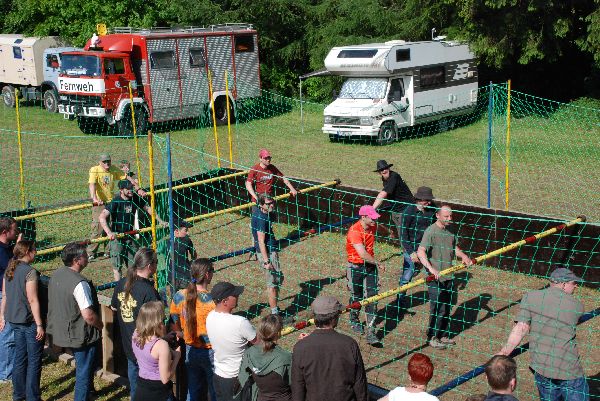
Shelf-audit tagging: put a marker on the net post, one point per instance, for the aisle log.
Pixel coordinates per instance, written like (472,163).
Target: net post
(135,137)
(212,106)
(489,144)
(506,182)
(228,122)
(152,194)
(171,220)
(21,172)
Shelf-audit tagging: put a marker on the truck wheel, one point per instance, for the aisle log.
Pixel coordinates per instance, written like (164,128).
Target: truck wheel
(125,124)
(221,111)
(387,133)
(50,101)
(92,125)
(8,94)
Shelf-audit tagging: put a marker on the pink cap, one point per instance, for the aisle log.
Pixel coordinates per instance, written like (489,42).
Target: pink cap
(263,153)
(368,210)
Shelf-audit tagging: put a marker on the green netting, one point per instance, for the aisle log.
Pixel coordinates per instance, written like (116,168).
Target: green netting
(553,169)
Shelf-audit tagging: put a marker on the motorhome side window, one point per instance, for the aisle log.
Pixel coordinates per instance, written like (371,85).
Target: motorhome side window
(197,57)
(52,61)
(403,55)
(17,52)
(244,44)
(114,66)
(432,76)
(363,53)
(396,90)
(162,60)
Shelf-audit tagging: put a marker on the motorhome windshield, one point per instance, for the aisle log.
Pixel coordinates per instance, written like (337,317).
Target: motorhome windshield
(75,65)
(364,88)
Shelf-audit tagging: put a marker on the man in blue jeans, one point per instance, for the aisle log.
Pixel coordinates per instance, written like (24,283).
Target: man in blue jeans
(415,220)
(9,232)
(550,317)
(73,320)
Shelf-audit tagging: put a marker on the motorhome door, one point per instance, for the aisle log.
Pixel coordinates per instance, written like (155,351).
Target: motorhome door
(398,100)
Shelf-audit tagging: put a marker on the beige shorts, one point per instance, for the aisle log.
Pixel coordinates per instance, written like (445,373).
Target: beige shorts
(274,277)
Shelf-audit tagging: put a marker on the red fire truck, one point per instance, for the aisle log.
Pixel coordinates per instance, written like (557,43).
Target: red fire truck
(167,70)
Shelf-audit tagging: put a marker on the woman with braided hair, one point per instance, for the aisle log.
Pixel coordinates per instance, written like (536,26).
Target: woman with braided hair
(20,309)
(189,309)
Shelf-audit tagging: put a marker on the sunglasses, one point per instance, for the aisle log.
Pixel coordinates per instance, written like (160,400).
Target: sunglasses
(106,161)
(269,203)
(267,158)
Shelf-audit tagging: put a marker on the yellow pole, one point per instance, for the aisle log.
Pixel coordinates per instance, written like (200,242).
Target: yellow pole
(212,106)
(507,148)
(135,138)
(228,122)
(158,191)
(455,268)
(21,173)
(190,219)
(152,198)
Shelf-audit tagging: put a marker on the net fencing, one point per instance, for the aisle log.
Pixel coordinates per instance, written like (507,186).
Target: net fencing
(552,172)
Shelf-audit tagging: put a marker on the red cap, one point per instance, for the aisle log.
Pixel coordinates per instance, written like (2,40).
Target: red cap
(263,153)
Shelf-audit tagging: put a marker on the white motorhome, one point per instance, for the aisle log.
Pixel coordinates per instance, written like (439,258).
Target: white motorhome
(399,84)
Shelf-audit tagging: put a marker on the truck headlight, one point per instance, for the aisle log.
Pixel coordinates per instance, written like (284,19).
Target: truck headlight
(366,121)
(328,120)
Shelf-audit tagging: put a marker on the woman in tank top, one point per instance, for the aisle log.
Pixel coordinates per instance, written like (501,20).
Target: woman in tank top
(420,370)
(157,362)
(21,309)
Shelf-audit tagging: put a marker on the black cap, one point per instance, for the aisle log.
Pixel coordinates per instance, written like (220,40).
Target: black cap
(125,184)
(223,289)
(181,223)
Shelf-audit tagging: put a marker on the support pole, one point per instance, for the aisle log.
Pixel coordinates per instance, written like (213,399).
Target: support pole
(228,122)
(489,144)
(506,182)
(212,104)
(135,138)
(152,194)
(450,270)
(171,222)
(21,172)
(301,110)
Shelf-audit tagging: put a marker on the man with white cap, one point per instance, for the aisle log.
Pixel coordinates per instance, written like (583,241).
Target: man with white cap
(327,365)
(263,175)
(363,269)
(550,317)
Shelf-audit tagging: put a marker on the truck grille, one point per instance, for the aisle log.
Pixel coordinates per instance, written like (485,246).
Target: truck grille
(88,101)
(345,121)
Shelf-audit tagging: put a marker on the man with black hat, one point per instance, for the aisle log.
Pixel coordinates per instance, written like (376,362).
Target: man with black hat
(229,336)
(327,365)
(121,212)
(183,253)
(394,189)
(550,317)
(415,220)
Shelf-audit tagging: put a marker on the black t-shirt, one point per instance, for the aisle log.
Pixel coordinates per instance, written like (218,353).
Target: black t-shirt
(398,191)
(122,212)
(183,248)
(142,291)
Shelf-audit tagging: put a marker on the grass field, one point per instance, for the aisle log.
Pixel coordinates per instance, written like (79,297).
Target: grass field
(555,170)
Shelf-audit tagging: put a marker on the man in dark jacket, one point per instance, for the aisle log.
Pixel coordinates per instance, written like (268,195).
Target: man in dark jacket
(327,365)
(415,220)
(73,320)
(501,373)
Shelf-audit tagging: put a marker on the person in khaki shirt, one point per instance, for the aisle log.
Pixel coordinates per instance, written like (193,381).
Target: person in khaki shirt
(101,185)
(550,317)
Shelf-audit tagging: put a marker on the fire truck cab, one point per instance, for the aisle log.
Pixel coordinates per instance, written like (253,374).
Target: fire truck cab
(167,71)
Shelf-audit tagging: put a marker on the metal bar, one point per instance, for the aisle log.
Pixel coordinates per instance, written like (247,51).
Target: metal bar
(452,269)
(152,194)
(506,181)
(228,122)
(21,173)
(135,137)
(171,221)
(489,145)
(212,104)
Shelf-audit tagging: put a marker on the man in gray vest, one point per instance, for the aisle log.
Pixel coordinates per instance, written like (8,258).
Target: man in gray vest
(73,320)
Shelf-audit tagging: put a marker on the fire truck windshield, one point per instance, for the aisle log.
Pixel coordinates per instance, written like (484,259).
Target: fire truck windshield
(75,65)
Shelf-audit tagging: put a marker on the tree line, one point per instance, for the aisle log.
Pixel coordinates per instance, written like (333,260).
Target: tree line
(548,48)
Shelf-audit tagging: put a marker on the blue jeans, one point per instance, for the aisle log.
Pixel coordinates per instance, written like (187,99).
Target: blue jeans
(27,368)
(7,350)
(133,371)
(565,390)
(199,366)
(85,362)
(408,271)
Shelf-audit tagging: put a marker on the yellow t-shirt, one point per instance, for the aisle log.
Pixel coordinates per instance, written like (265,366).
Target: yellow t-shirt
(105,181)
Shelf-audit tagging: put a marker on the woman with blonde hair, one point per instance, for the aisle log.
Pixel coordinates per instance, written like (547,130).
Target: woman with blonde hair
(267,364)
(156,360)
(20,309)
(189,309)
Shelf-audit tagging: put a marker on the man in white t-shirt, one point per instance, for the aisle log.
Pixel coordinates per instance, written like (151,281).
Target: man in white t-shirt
(229,336)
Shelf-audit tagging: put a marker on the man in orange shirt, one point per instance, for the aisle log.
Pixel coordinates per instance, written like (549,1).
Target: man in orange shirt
(362,272)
